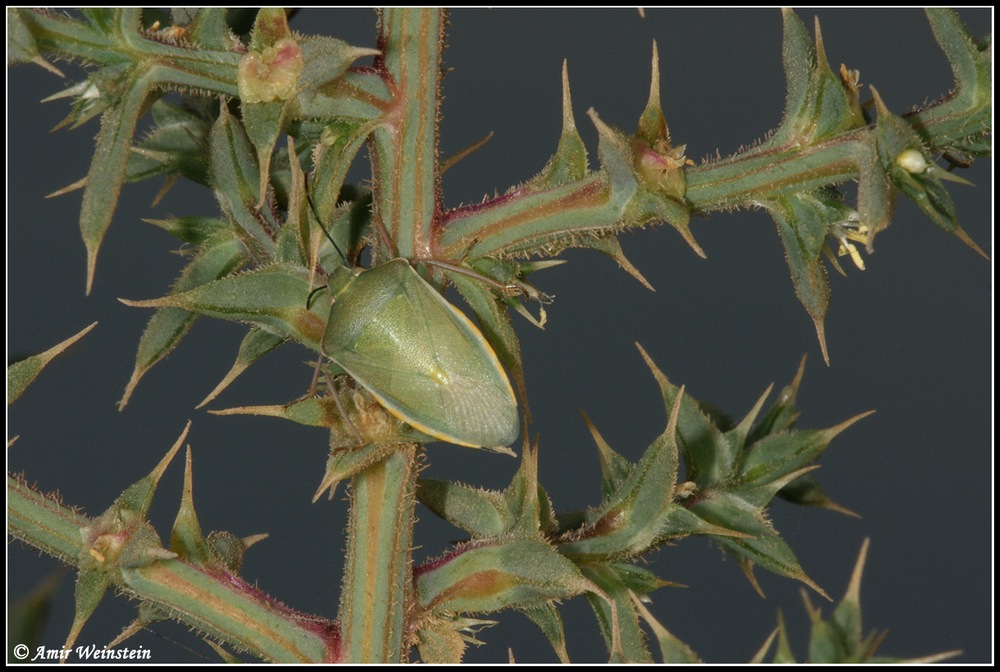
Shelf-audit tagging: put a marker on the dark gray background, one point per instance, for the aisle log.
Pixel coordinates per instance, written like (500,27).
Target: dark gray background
(911,337)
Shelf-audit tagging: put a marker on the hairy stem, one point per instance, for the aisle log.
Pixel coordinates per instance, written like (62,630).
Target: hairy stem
(405,171)
(378,582)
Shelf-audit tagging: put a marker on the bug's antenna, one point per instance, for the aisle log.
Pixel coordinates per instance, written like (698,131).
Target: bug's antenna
(315,213)
(312,295)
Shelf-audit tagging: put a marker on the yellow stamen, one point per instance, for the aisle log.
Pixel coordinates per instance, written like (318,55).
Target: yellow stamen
(858,235)
(848,248)
(847,230)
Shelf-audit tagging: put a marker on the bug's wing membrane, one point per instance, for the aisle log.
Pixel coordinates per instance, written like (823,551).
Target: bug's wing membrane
(422,358)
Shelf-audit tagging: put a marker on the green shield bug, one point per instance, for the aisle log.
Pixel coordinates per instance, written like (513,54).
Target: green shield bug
(420,357)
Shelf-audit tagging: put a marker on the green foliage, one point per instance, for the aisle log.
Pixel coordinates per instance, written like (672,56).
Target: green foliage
(356,276)
(840,639)
(21,374)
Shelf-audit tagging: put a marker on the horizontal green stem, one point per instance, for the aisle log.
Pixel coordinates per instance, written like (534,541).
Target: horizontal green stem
(744,178)
(43,522)
(67,37)
(217,603)
(531,219)
(232,611)
(524,218)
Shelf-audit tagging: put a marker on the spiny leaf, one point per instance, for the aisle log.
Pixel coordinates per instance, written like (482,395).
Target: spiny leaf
(480,512)
(783,652)
(963,120)
(311,411)
(737,468)
(806,491)
(839,640)
(546,616)
(672,649)
(333,156)
(186,539)
(208,28)
(804,220)
(328,59)
(803,238)
(344,464)
(615,469)
(652,124)
(21,46)
(521,509)
(904,159)
(876,194)
(768,462)
(268,78)
(273,297)
(758,657)
(257,343)
(107,169)
(487,576)
(569,163)
(295,240)
(191,229)
(819,104)
(630,520)
(625,628)
(698,437)
(228,551)
(611,247)
(139,496)
(528,507)
(763,546)
(847,615)
(177,146)
(216,258)
(91,585)
(782,414)
(21,374)
(235,176)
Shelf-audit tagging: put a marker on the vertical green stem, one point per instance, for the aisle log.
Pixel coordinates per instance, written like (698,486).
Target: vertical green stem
(404,156)
(377,579)
(378,582)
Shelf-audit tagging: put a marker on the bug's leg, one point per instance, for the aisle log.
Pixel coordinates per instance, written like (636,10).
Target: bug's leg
(468,249)
(509,290)
(343,412)
(313,384)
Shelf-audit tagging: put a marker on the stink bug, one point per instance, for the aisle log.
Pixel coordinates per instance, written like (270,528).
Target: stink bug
(420,357)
